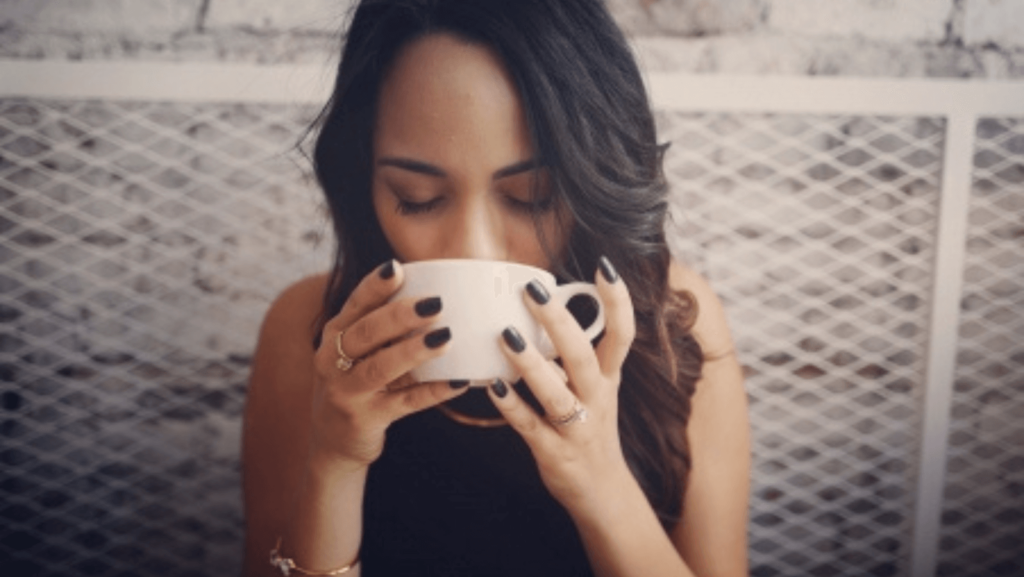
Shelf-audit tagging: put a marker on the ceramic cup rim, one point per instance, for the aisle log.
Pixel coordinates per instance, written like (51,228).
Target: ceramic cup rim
(440,262)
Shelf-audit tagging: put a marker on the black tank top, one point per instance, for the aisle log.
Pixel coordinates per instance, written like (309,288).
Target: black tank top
(449,499)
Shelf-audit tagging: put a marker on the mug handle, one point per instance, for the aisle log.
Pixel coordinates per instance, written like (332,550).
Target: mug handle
(564,293)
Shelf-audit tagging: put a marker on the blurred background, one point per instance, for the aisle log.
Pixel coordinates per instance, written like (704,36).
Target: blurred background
(870,258)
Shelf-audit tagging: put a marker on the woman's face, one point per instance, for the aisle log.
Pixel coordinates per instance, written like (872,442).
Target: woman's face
(454,171)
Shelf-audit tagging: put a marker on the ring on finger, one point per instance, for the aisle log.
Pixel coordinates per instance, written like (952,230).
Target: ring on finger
(578,414)
(345,362)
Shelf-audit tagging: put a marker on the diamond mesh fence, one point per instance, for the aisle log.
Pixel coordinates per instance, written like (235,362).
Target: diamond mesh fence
(818,233)
(983,509)
(142,243)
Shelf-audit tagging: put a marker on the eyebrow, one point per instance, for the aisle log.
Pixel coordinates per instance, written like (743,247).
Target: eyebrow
(428,169)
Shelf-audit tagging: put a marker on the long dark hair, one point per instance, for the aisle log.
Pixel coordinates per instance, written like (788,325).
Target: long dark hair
(592,129)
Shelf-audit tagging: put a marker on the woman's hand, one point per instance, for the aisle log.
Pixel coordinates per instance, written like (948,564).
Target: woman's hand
(579,454)
(353,406)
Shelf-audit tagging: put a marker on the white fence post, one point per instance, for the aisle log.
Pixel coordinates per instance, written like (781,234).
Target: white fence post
(951,237)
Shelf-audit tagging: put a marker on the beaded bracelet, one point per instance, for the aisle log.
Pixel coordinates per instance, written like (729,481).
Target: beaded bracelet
(286,565)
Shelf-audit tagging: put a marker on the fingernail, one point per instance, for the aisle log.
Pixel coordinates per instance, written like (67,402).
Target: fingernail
(428,307)
(537,292)
(458,383)
(387,270)
(607,270)
(513,339)
(500,388)
(437,338)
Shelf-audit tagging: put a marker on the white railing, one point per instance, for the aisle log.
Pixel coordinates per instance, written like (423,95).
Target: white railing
(959,104)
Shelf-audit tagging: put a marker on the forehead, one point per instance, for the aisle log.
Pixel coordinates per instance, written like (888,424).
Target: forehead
(444,90)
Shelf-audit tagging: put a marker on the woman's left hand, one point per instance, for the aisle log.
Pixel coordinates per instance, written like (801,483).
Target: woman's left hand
(576,443)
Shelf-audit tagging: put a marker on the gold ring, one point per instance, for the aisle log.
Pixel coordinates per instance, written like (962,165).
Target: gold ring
(578,414)
(345,362)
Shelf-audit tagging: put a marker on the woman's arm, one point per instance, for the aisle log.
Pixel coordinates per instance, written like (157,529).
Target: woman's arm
(625,538)
(323,503)
(583,466)
(313,425)
(712,536)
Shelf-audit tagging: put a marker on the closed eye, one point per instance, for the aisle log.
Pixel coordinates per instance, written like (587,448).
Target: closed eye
(530,206)
(408,207)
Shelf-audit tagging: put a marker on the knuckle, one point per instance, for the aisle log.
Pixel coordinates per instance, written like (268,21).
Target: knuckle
(355,300)
(437,394)
(525,423)
(373,370)
(627,335)
(363,331)
(402,316)
(322,361)
(561,318)
(332,325)
(561,406)
(576,358)
(381,288)
(409,398)
(624,325)
(534,371)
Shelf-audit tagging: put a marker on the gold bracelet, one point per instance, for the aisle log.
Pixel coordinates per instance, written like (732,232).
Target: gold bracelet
(286,565)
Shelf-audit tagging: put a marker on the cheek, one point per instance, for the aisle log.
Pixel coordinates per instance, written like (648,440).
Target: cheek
(410,239)
(557,229)
(389,223)
(527,246)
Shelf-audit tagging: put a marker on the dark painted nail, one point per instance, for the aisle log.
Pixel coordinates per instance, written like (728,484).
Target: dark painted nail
(458,383)
(513,339)
(437,338)
(607,270)
(428,307)
(387,270)
(500,388)
(537,292)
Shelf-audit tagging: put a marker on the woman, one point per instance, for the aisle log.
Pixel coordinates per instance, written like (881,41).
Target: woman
(515,131)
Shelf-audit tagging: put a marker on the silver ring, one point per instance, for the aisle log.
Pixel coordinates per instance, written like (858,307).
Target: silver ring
(578,414)
(345,362)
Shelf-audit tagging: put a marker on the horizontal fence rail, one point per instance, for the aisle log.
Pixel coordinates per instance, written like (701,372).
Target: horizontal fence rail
(184,82)
(945,116)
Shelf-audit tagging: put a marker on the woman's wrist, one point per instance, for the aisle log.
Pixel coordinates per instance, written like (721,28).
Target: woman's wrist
(330,467)
(605,496)
(622,533)
(325,530)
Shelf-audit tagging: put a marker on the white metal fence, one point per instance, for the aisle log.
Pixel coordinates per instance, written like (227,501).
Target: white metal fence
(866,236)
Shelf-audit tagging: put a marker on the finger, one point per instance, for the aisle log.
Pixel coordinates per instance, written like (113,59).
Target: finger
(419,396)
(388,323)
(545,383)
(578,358)
(534,429)
(388,364)
(560,371)
(620,325)
(372,291)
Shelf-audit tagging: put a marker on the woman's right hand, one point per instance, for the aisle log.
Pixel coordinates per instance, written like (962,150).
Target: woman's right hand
(353,408)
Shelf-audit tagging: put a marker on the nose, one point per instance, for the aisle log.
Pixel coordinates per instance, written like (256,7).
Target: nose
(476,232)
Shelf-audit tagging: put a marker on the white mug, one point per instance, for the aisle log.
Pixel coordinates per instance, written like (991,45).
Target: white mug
(480,299)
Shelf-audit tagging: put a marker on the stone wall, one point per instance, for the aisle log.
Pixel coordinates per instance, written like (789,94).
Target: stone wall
(890,38)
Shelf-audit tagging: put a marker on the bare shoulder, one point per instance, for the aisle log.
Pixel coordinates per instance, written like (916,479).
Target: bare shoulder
(275,432)
(284,351)
(296,308)
(711,328)
(712,534)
